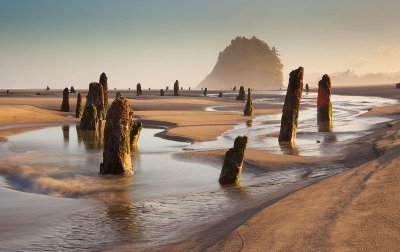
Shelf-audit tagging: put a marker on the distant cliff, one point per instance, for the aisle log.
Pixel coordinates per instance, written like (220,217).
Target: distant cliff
(247,62)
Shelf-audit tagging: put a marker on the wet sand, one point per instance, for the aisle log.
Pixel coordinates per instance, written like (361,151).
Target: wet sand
(295,222)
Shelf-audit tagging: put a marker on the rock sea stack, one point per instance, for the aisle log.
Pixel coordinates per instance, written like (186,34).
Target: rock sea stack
(205,92)
(162,93)
(176,88)
(246,60)
(248,109)
(65,101)
(242,94)
(116,153)
(79,106)
(324,105)
(290,112)
(220,94)
(233,162)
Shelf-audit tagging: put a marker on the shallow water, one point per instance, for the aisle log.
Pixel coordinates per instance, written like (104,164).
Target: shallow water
(263,131)
(165,199)
(54,171)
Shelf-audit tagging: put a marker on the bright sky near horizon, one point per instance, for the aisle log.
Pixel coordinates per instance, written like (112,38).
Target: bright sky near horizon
(71,42)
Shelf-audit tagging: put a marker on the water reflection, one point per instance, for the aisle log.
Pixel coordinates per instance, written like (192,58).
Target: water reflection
(92,139)
(325,126)
(330,138)
(65,130)
(123,214)
(249,123)
(289,148)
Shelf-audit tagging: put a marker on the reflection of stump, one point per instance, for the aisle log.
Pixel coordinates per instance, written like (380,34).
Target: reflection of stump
(65,101)
(103,83)
(290,112)
(65,130)
(205,92)
(92,139)
(138,89)
(176,88)
(249,123)
(242,94)
(248,109)
(116,153)
(79,106)
(162,93)
(324,105)
(289,148)
(233,162)
(136,128)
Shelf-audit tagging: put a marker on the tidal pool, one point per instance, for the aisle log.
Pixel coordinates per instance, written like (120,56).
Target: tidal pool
(165,200)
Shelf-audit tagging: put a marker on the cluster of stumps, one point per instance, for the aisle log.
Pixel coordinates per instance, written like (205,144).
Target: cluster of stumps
(233,162)
(121,132)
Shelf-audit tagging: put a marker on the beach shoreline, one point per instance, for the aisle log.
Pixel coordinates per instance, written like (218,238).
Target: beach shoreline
(190,123)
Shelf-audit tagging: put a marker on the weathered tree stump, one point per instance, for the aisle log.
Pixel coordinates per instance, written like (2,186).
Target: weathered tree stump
(220,94)
(103,81)
(242,94)
(233,162)
(89,120)
(248,109)
(95,97)
(176,88)
(116,153)
(136,128)
(290,112)
(138,89)
(162,93)
(234,88)
(398,85)
(307,88)
(324,105)
(205,92)
(79,106)
(65,101)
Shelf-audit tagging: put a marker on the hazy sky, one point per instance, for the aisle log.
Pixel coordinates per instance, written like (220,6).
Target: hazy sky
(65,42)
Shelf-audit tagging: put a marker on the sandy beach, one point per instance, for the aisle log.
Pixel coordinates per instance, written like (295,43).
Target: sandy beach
(353,210)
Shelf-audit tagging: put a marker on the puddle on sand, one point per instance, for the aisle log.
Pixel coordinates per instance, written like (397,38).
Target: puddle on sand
(263,131)
(166,199)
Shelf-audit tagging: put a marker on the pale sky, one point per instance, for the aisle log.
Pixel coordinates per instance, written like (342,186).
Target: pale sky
(71,42)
